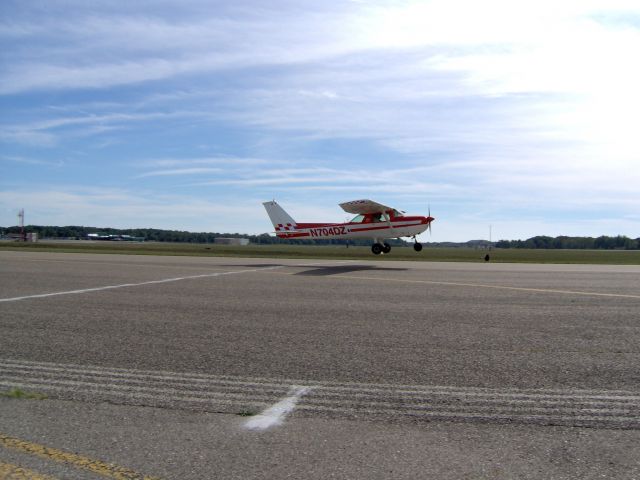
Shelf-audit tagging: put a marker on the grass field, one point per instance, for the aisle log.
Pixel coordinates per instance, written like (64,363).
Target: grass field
(613,257)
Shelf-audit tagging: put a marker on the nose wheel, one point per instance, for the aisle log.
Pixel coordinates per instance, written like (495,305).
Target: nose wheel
(417,246)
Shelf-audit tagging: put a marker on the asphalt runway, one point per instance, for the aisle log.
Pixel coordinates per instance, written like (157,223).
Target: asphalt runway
(402,344)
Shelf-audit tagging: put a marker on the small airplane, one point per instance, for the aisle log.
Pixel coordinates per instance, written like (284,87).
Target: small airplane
(373,220)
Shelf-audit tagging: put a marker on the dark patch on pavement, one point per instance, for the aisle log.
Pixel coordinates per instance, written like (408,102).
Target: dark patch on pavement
(253,265)
(335,270)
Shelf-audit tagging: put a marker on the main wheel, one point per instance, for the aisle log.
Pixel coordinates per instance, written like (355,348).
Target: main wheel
(386,247)
(417,247)
(376,248)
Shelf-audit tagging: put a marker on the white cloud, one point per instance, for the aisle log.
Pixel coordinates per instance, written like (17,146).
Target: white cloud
(30,161)
(181,171)
(80,49)
(28,137)
(48,132)
(222,161)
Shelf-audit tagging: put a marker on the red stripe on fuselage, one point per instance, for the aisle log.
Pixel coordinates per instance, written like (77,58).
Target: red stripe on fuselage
(351,224)
(384,227)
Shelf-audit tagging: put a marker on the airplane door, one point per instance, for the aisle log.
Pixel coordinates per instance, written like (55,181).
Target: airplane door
(387,218)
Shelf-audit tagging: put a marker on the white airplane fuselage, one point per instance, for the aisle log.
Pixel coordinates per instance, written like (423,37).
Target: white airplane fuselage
(379,230)
(374,221)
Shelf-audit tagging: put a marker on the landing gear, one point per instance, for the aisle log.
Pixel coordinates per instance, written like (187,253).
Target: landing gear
(417,247)
(377,248)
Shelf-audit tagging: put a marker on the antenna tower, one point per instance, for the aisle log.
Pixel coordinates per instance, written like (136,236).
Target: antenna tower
(21,224)
(490,243)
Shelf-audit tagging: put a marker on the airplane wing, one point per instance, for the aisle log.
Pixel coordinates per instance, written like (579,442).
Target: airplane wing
(364,206)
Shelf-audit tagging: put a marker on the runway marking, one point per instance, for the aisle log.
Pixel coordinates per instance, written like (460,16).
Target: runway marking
(594,408)
(69,368)
(26,368)
(124,285)
(275,414)
(130,264)
(483,285)
(13,472)
(71,459)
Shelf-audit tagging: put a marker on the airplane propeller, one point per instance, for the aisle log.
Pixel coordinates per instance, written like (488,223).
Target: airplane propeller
(429,216)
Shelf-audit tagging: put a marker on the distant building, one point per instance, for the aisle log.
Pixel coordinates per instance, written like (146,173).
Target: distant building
(21,237)
(114,238)
(231,241)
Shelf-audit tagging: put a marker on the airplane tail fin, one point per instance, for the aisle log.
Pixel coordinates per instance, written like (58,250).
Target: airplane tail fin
(281,220)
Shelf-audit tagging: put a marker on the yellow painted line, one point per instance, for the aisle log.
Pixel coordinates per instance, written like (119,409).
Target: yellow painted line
(77,461)
(481,285)
(13,472)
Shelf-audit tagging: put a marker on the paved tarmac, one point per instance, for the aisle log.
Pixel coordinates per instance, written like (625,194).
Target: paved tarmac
(450,369)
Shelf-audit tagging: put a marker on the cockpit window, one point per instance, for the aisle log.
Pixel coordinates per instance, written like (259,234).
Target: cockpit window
(371,218)
(396,214)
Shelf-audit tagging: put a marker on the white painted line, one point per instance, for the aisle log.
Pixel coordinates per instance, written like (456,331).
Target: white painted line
(496,287)
(275,414)
(150,282)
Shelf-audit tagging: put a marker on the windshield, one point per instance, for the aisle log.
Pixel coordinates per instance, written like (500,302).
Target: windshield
(370,218)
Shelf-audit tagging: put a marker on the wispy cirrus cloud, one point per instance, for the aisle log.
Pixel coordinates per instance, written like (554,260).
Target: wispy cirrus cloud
(155,47)
(181,171)
(30,161)
(48,132)
(212,161)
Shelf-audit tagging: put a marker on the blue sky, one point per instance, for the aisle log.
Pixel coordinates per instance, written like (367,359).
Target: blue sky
(188,115)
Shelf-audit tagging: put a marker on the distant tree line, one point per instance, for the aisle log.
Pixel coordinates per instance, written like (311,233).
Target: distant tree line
(619,242)
(158,235)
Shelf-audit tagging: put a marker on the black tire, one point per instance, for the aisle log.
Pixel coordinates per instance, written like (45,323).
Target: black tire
(376,248)
(386,248)
(417,247)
